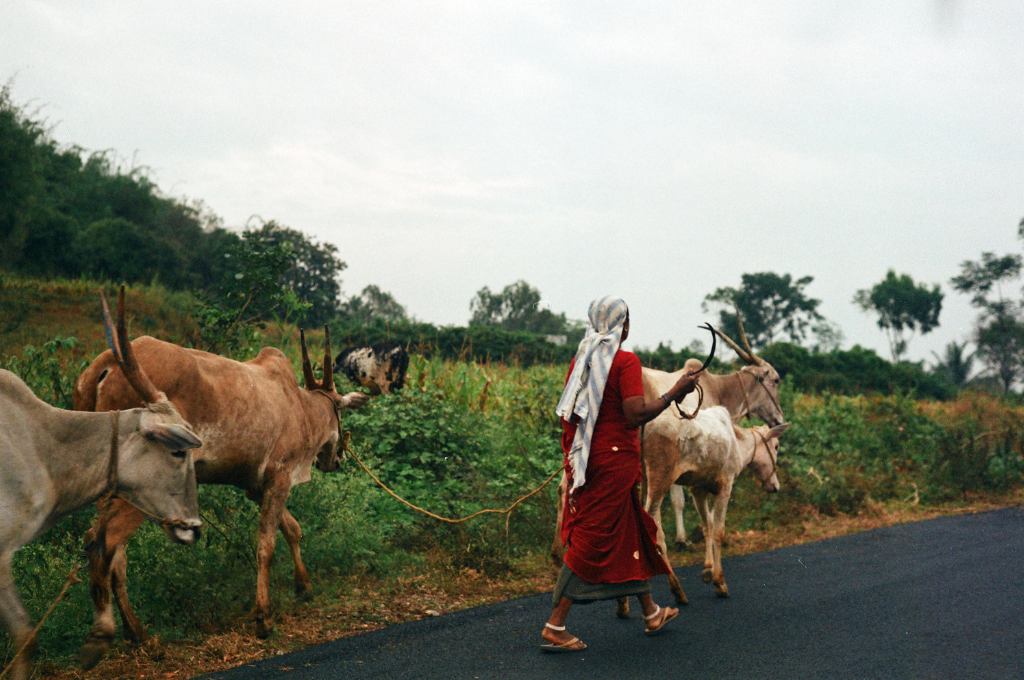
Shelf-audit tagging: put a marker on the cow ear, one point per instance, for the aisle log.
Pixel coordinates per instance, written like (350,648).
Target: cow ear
(173,436)
(777,431)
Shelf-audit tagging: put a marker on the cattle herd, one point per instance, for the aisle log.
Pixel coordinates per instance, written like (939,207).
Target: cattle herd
(152,419)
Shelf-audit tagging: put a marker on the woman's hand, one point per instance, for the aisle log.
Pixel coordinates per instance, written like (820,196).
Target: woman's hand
(687,383)
(639,411)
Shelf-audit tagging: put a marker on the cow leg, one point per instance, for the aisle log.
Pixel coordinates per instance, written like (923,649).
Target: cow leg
(293,534)
(700,499)
(132,629)
(656,489)
(15,620)
(271,505)
(114,525)
(678,498)
(721,505)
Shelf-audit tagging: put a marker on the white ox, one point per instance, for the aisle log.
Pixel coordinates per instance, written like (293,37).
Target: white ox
(53,462)
(706,454)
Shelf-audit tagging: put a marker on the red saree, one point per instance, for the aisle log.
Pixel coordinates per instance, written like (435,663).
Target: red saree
(608,536)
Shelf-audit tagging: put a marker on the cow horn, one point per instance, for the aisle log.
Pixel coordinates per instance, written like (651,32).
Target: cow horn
(328,362)
(714,344)
(743,338)
(108,329)
(307,368)
(744,355)
(735,348)
(123,352)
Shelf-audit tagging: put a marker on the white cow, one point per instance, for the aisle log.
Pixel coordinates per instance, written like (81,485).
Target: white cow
(706,454)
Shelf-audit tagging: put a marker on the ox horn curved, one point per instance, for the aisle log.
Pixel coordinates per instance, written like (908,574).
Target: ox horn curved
(714,344)
(123,352)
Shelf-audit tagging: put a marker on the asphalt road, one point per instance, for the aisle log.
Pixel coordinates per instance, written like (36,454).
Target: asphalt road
(936,599)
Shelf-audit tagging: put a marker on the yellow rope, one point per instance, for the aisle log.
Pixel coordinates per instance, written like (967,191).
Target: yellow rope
(71,580)
(449,520)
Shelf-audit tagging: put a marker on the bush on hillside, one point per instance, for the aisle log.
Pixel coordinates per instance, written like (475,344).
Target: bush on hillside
(853,371)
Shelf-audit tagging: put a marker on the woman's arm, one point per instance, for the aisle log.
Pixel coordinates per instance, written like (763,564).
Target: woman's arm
(639,411)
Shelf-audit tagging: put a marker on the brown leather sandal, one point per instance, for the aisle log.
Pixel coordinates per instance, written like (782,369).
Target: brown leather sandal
(573,645)
(656,621)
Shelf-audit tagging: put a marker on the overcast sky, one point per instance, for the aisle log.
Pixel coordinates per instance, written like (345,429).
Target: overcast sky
(588,148)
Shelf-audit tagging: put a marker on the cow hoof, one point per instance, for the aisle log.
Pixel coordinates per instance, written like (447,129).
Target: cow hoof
(681,599)
(154,650)
(304,594)
(622,610)
(134,637)
(682,546)
(706,575)
(721,590)
(92,651)
(263,627)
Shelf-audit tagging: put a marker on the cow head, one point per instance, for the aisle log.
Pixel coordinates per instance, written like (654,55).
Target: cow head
(765,463)
(153,470)
(328,457)
(380,367)
(762,392)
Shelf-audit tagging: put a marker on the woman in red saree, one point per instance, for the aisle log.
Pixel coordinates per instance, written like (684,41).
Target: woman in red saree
(611,550)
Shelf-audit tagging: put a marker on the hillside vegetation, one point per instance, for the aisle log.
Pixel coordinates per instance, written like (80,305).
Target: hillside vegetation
(462,436)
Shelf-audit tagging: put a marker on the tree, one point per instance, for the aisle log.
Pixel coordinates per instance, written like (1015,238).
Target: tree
(248,293)
(903,308)
(66,212)
(955,363)
(21,182)
(982,279)
(1000,341)
(373,303)
(120,250)
(770,305)
(828,336)
(315,271)
(1000,327)
(515,308)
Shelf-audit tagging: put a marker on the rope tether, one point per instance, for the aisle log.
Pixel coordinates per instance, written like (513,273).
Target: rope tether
(448,520)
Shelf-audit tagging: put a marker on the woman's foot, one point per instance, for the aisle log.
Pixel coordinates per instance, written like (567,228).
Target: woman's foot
(557,640)
(656,620)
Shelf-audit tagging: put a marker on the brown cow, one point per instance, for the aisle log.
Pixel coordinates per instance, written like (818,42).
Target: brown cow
(261,433)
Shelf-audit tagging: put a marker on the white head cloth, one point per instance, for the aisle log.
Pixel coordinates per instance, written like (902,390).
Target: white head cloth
(585,388)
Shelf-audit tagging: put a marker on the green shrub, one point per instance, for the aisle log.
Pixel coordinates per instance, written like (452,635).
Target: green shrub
(853,371)
(47,370)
